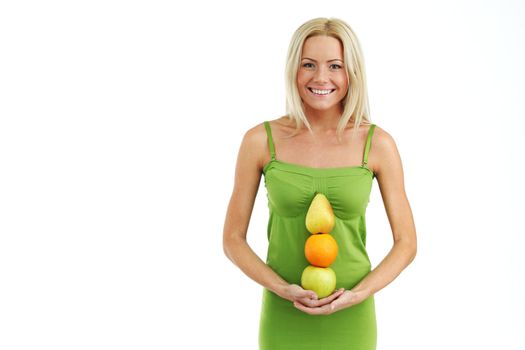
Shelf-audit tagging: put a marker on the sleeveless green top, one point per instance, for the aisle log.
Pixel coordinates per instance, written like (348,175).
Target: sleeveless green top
(290,190)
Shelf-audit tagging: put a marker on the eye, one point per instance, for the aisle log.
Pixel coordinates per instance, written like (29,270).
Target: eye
(308,65)
(335,66)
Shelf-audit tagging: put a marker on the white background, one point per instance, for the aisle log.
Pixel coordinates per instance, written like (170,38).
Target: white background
(119,131)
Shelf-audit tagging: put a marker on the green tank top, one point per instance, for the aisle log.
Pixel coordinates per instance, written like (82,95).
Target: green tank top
(290,190)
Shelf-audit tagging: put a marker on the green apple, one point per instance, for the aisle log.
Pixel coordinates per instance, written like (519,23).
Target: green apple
(319,279)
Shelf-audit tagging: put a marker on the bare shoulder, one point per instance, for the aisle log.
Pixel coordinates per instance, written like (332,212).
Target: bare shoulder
(382,138)
(255,134)
(255,143)
(383,151)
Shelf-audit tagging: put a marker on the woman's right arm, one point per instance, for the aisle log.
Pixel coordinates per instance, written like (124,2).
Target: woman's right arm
(247,178)
(248,172)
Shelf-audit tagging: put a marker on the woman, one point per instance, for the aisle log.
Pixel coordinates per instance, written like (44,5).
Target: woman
(325,144)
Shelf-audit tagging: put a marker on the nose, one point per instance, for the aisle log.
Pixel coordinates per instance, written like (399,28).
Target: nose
(321,75)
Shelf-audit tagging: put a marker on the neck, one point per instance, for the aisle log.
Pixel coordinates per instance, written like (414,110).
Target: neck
(323,121)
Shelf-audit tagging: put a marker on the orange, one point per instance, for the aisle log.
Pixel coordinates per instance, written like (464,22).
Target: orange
(321,249)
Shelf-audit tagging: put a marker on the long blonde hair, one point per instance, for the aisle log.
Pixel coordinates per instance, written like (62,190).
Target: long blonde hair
(355,102)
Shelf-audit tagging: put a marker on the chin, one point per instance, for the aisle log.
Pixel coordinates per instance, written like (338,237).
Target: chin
(321,107)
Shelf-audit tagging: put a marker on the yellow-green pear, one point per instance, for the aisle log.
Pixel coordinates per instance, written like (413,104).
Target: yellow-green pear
(320,216)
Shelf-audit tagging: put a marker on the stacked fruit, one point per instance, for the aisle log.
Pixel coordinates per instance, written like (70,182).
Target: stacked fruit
(321,248)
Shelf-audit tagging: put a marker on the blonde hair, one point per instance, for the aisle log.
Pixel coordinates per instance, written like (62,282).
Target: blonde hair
(355,102)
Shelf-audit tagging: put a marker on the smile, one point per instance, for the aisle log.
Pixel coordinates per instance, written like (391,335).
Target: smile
(321,92)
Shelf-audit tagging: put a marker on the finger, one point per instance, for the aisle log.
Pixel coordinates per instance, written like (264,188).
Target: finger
(302,307)
(310,294)
(330,298)
(307,302)
(335,294)
(323,310)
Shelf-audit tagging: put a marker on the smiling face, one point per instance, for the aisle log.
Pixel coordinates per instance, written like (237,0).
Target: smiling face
(322,80)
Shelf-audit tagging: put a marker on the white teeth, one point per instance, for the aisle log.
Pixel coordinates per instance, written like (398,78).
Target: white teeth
(321,92)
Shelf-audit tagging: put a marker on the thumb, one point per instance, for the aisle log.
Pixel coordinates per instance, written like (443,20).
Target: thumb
(310,294)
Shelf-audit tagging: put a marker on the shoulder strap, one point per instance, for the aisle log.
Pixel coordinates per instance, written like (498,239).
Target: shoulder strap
(270,139)
(368,144)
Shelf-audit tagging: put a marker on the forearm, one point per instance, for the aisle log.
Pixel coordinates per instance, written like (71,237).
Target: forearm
(399,257)
(242,255)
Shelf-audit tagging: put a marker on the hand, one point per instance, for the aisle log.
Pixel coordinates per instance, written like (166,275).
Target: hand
(340,299)
(297,294)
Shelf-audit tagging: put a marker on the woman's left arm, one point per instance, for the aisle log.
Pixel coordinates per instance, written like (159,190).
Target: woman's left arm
(389,174)
(390,177)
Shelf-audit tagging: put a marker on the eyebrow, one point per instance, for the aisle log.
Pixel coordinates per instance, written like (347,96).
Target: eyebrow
(311,59)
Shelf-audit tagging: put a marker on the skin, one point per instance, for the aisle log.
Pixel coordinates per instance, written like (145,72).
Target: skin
(322,58)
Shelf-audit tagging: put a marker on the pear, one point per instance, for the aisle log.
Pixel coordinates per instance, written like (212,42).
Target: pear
(320,216)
